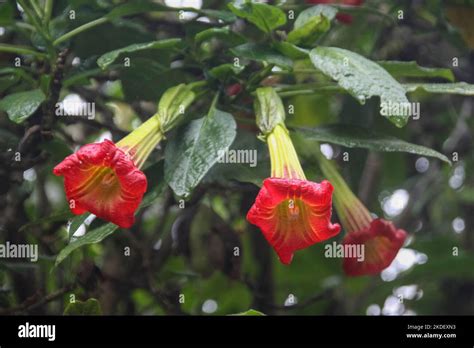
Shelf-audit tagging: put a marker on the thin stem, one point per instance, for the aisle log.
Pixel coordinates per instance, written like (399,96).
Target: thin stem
(197,84)
(214,102)
(34,18)
(314,86)
(36,8)
(21,50)
(297,71)
(259,76)
(24,25)
(48,10)
(305,88)
(296,93)
(79,30)
(326,89)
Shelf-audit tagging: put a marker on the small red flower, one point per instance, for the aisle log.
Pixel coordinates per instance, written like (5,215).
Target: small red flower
(293,214)
(381,241)
(233,89)
(341,17)
(344,18)
(100,178)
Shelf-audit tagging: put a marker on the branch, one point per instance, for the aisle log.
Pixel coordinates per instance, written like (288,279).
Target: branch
(79,30)
(33,302)
(21,50)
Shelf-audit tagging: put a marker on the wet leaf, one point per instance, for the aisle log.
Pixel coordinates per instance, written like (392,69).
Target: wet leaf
(361,77)
(352,136)
(262,53)
(20,106)
(195,149)
(412,69)
(264,16)
(108,58)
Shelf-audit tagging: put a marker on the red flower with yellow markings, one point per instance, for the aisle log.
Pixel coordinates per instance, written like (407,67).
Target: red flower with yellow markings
(380,239)
(102,179)
(292,212)
(105,178)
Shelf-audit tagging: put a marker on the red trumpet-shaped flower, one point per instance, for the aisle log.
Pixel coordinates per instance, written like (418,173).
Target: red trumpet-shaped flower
(292,212)
(380,239)
(105,178)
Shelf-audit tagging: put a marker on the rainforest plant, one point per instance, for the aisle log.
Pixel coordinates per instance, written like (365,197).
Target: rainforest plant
(185,143)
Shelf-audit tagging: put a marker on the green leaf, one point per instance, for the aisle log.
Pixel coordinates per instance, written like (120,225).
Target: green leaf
(92,237)
(262,53)
(250,312)
(20,106)
(462,88)
(8,81)
(311,24)
(360,77)
(265,17)
(310,32)
(304,17)
(20,73)
(412,69)
(352,136)
(195,149)
(108,58)
(225,16)
(134,7)
(224,71)
(230,37)
(89,307)
(290,50)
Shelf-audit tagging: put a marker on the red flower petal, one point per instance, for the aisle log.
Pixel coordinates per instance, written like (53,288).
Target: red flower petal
(293,214)
(353,2)
(381,241)
(233,89)
(102,179)
(344,18)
